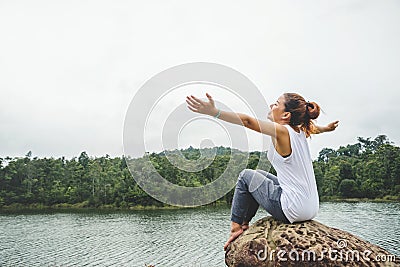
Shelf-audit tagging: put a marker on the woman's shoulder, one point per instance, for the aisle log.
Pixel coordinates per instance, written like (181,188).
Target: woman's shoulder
(282,130)
(293,128)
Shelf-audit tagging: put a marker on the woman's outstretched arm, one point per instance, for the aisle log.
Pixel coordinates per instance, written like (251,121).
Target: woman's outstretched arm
(208,108)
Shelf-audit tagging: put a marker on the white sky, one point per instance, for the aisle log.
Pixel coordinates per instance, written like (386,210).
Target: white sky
(69,69)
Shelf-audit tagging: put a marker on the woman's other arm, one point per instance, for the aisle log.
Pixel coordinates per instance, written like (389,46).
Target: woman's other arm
(327,128)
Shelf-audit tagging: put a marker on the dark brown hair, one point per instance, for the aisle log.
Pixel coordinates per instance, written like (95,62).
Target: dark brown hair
(302,112)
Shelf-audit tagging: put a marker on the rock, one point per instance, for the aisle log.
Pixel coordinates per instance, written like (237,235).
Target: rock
(269,242)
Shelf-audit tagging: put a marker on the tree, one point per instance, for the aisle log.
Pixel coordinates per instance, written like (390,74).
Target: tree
(348,188)
(83,159)
(331,180)
(325,154)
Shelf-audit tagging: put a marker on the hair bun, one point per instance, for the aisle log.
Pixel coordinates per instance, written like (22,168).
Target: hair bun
(313,110)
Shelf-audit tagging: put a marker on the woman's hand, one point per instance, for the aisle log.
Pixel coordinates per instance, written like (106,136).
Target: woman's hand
(328,128)
(331,126)
(203,107)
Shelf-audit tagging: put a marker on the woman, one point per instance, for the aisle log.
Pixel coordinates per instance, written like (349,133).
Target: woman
(292,195)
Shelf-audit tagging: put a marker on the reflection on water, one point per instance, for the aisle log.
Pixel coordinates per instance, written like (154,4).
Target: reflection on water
(186,237)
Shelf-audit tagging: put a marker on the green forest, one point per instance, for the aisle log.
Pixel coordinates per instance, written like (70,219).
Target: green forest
(368,169)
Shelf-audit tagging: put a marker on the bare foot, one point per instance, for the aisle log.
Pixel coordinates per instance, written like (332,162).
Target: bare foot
(236,230)
(245,226)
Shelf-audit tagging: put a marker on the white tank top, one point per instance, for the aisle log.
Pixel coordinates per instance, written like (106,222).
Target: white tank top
(296,177)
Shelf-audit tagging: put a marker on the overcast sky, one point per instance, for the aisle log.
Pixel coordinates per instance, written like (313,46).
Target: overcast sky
(69,69)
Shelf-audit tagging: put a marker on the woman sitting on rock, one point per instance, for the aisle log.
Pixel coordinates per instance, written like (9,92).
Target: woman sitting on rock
(292,195)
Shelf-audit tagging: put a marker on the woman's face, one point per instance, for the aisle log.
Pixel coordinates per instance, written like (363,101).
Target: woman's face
(277,110)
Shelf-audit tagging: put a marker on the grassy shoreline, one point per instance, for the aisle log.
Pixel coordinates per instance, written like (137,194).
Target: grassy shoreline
(84,207)
(385,199)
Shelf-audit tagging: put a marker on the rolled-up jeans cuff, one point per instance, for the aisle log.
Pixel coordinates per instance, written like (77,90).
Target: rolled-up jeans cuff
(236,219)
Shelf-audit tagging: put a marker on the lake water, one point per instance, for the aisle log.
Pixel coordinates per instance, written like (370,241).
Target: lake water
(185,237)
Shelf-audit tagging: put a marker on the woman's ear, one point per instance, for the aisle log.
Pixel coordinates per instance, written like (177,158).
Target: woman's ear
(286,116)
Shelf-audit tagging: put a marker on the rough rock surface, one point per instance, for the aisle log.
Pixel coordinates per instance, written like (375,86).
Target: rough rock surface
(271,243)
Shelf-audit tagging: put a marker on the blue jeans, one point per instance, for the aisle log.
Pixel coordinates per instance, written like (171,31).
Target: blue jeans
(255,188)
